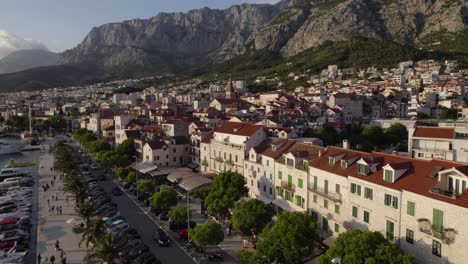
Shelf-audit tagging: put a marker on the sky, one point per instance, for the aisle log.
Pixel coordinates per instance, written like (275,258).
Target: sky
(63,24)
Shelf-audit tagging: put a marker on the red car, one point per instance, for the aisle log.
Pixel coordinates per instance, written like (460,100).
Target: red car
(6,245)
(9,221)
(183,234)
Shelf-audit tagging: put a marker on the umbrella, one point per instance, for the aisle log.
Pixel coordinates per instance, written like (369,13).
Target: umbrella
(70,221)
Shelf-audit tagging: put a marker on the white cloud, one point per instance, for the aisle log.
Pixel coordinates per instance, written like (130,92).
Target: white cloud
(10,42)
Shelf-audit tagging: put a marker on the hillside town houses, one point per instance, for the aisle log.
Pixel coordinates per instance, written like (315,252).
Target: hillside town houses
(417,199)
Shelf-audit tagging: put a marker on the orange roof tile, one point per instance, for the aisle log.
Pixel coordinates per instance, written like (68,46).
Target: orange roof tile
(434,132)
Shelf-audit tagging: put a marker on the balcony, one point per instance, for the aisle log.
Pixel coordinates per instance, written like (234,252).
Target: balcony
(232,145)
(445,193)
(336,197)
(446,235)
(289,187)
(218,159)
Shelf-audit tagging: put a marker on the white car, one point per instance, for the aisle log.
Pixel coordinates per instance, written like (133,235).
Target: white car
(116,223)
(94,167)
(117,228)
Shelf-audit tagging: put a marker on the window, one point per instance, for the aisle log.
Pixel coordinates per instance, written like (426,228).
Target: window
(271,191)
(326,186)
(337,209)
(438,220)
(337,228)
(280,175)
(362,169)
(409,236)
(299,183)
(325,203)
(410,208)
(436,248)
(368,193)
(390,230)
(366,216)
(337,188)
(391,201)
(289,181)
(355,211)
(331,160)
(388,175)
(268,162)
(353,188)
(264,188)
(290,162)
(315,183)
(286,195)
(315,198)
(344,164)
(359,190)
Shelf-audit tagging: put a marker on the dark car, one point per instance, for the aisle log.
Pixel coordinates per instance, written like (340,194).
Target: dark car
(163,239)
(127,186)
(156,211)
(116,191)
(164,215)
(143,196)
(176,226)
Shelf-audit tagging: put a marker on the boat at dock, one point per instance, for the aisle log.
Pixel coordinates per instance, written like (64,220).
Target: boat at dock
(6,148)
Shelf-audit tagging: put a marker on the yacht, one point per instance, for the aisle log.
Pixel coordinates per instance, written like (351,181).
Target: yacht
(6,148)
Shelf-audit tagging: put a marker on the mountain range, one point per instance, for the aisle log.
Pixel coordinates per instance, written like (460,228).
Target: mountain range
(176,42)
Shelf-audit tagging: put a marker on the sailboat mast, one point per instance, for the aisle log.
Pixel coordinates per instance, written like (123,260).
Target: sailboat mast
(30,120)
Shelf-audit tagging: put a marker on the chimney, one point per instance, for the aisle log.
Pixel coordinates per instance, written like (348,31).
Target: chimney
(345,144)
(320,153)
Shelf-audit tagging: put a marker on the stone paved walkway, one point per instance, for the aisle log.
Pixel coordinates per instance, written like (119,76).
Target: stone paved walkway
(53,227)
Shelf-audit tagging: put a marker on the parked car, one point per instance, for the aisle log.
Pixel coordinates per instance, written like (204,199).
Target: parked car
(176,226)
(162,238)
(164,216)
(117,191)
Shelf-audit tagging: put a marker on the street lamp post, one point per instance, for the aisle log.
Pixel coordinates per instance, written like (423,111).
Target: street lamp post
(136,173)
(188,215)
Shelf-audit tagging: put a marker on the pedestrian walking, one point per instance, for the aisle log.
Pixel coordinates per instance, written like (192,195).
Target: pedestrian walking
(56,197)
(60,210)
(46,260)
(48,202)
(53,209)
(55,177)
(62,253)
(52,259)
(39,258)
(64,260)
(57,245)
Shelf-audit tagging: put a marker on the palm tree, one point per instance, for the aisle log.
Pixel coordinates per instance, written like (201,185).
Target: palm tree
(85,210)
(93,233)
(106,250)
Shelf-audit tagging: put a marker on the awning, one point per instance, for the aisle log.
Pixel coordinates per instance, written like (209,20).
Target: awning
(144,167)
(195,182)
(265,199)
(180,174)
(283,206)
(192,165)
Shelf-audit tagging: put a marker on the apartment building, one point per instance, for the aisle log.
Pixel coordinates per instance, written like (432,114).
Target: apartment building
(439,143)
(229,144)
(167,152)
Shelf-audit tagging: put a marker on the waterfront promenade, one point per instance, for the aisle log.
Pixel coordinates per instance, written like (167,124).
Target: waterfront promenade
(53,226)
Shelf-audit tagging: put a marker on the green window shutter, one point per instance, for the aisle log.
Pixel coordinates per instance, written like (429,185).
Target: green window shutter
(410,210)
(390,230)
(325,203)
(315,183)
(366,217)
(359,190)
(280,175)
(355,211)
(438,220)
(337,188)
(371,194)
(388,199)
(326,186)
(337,228)
(289,180)
(337,209)
(299,183)
(315,198)
(395,202)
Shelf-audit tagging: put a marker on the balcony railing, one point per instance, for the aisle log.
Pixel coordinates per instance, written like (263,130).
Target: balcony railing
(446,235)
(290,187)
(232,145)
(336,197)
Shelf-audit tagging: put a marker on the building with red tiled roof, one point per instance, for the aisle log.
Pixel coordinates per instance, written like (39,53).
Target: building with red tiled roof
(439,143)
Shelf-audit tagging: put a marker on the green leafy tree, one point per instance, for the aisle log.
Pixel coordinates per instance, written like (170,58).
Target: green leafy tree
(127,147)
(328,135)
(228,187)
(131,177)
(252,216)
(98,146)
(93,233)
(106,250)
(356,246)
(421,115)
(165,198)
(180,213)
(146,186)
(396,133)
(56,122)
(122,172)
(19,122)
(247,257)
(374,135)
(207,234)
(85,210)
(106,157)
(202,193)
(290,239)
